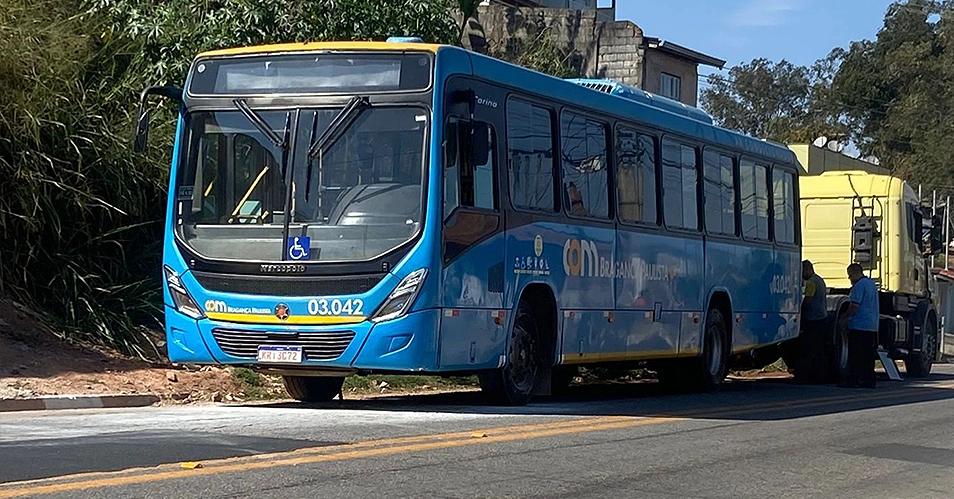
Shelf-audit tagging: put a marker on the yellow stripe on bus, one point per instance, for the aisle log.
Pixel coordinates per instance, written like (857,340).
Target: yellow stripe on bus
(310,46)
(293,319)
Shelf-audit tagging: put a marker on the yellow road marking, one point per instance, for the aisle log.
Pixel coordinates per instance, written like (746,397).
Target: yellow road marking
(400,445)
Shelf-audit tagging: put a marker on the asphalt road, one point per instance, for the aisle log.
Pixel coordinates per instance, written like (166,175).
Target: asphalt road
(755,439)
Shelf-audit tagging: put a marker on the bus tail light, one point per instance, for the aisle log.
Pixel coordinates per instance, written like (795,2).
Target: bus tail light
(403,296)
(182,299)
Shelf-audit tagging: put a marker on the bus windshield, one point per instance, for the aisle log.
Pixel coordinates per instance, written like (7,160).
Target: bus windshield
(364,196)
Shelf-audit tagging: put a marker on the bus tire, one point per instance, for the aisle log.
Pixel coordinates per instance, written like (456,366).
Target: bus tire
(513,383)
(713,366)
(312,388)
(918,365)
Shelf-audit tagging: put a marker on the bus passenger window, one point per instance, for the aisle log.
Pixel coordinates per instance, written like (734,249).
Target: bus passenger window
(636,176)
(530,153)
(680,190)
(584,166)
(719,193)
(754,193)
(783,190)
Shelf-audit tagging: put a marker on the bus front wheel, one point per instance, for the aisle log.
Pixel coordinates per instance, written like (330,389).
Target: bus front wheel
(312,388)
(513,383)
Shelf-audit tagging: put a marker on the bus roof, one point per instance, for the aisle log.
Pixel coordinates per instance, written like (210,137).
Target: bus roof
(618,103)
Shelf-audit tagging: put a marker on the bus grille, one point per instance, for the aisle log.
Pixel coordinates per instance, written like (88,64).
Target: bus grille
(287,286)
(315,345)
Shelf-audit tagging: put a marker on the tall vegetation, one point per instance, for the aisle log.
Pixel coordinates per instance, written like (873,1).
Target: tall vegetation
(80,216)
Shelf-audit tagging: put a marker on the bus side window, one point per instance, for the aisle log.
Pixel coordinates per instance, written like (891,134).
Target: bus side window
(783,190)
(469,166)
(583,154)
(636,176)
(530,149)
(754,194)
(719,173)
(680,186)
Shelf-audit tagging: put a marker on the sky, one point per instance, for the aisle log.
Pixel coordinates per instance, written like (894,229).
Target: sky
(737,31)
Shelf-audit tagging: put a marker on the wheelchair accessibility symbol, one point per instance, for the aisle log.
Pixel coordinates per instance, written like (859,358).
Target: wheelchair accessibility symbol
(299,248)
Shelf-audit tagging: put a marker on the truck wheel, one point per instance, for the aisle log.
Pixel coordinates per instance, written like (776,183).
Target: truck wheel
(513,383)
(313,388)
(918,365)
(838,352)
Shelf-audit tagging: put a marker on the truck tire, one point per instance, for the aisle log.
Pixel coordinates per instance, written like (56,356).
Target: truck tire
(312,388)
(513,383)
(837,351)
(918,364)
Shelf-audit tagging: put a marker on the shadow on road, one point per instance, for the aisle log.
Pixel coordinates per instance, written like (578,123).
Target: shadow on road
(740,399)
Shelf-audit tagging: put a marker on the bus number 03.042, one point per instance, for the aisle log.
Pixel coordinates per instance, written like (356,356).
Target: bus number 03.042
(335,307)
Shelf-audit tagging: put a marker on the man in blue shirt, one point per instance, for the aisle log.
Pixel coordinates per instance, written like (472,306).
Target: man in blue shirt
(863,317)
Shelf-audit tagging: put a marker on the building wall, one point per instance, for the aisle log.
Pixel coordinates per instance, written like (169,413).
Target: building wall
(596,48)
(621,55)
(658,62)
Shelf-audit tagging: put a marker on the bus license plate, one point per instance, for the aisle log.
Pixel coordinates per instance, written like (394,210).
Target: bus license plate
(273,354)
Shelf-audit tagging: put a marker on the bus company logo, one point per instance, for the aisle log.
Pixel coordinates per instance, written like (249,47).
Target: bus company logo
(282,312)
(216,306)
(277,268)
(220,307)
(581,258)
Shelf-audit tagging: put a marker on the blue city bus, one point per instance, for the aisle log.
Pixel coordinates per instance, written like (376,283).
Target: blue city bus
(400,207)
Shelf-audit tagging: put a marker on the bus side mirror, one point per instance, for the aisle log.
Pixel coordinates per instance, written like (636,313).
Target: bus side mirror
(480,142)
(142,131)
(142,122)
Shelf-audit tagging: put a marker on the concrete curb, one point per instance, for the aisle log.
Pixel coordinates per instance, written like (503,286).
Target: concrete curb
(76,402)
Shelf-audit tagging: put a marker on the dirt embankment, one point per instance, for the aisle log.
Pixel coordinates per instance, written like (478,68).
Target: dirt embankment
(35,361)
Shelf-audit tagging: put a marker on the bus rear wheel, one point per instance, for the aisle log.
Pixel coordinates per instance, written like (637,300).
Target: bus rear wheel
(513,383)
(313,388)
(707,372)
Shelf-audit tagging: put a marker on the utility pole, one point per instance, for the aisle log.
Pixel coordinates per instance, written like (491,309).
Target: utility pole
(947,231)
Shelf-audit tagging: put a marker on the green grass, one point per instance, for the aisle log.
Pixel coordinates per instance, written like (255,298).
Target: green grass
(375,383)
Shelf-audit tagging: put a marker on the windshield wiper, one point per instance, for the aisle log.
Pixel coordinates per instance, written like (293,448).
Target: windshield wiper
(335,129)
(280,142)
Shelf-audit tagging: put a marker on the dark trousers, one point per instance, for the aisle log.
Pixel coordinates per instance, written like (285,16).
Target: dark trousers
(862,351)
(811,343)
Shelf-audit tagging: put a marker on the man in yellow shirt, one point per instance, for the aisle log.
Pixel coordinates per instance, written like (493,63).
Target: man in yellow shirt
(814,321)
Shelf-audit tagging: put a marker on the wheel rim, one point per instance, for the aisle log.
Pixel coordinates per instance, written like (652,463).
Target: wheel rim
(715,352)
(842,348)
(522,365)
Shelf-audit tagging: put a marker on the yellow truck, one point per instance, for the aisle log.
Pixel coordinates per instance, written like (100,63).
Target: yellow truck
(854,211)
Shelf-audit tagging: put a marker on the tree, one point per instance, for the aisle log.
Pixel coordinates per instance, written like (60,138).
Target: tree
(777,101)
(896,91)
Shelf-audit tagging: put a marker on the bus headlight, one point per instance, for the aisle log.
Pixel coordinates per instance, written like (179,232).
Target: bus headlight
(182,299)
(403,296)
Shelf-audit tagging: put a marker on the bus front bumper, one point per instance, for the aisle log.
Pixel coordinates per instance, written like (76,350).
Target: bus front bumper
(408,343)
